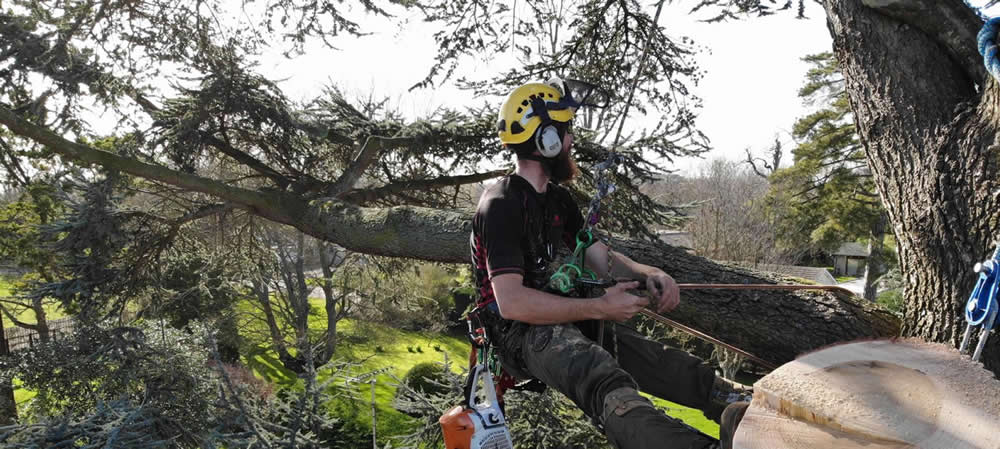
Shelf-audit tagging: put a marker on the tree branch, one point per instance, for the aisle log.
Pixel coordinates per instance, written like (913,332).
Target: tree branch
(18,322)
(953,24)
(202,212)
(366,156)
(402,231)
(753,165)
(367,196)
(246,159)
(269,205)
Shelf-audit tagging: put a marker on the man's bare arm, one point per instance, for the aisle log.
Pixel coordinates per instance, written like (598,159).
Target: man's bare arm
(520,303)
(660,285)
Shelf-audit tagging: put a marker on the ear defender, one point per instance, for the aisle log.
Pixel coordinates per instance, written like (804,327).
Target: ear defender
(548,142)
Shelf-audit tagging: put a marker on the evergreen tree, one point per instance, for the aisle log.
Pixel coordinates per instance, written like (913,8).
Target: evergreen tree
(828,194)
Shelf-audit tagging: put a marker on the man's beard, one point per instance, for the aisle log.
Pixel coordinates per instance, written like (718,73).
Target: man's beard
(562,169)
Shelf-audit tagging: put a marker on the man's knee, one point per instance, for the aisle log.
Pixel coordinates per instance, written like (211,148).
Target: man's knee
(621,401)
(632,422)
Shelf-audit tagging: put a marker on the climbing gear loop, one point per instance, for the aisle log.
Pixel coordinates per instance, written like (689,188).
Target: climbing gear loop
(981,309)
(565,278)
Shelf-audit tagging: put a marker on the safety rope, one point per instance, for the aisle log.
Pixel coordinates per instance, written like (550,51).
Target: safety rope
(987,43)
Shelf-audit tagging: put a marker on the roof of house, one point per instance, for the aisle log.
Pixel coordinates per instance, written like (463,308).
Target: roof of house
(676,238)
(818,275)
(851,249)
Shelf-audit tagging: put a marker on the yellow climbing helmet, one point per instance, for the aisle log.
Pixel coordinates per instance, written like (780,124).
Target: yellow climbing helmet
(534,104)
(519,118)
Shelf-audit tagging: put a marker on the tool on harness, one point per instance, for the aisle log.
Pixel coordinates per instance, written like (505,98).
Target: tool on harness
(476,425)
(981,310)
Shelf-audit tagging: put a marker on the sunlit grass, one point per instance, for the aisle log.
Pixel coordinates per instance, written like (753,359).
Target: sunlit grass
(370,347)
(52,310)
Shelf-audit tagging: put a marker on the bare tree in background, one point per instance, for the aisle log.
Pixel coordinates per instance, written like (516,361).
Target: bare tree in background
(730,224)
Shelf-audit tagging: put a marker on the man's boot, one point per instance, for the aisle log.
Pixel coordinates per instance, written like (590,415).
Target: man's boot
(725,392)
(731,418)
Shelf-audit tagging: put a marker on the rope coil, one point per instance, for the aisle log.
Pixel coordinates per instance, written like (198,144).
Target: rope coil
(987,43)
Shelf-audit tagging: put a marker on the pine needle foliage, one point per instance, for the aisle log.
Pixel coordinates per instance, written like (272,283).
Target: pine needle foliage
(546,420)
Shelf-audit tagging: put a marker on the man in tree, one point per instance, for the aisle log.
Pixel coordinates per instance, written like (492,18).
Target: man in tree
(518,225)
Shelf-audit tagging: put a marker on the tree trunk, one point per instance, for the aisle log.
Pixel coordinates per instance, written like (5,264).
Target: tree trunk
(328,262)
(41,320)
(263,294)
(773,325)
(875,267)
(8,406)
(930,139)
(883,394)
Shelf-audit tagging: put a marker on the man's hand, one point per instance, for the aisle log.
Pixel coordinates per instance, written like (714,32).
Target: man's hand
(620,305)
(664,289)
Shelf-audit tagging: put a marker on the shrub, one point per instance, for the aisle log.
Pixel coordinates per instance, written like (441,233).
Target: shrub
(892,300)
(427,377)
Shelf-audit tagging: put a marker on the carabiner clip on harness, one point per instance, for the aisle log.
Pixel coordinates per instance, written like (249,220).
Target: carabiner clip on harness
(574,269)
(981,309)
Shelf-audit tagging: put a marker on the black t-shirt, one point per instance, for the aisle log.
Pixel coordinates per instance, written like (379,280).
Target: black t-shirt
(518,230)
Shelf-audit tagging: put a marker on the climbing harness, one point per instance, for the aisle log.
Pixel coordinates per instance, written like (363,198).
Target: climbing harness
(981,310)
(564,279)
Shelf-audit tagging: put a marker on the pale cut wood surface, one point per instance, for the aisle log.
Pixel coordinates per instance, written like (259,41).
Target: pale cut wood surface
(879,394)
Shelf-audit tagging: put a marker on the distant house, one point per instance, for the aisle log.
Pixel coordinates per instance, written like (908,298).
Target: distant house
(820,276)
(849,259)
(676,238)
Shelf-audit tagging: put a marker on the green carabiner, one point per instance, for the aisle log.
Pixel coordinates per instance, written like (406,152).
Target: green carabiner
(584,238)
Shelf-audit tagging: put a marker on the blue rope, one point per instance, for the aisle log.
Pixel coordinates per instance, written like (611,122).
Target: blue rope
(987,41)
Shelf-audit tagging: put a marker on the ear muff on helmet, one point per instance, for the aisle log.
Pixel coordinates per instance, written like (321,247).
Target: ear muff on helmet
(548,141)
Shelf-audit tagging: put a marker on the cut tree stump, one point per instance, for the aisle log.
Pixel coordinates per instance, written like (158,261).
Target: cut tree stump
(877,394)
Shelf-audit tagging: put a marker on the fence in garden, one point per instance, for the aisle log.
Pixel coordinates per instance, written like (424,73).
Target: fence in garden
(19,337)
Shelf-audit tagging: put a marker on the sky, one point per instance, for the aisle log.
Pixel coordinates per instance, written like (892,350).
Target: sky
(749,90)
(753,71)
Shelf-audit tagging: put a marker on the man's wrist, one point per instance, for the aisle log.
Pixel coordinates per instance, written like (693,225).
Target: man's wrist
(649,272)
(594,308)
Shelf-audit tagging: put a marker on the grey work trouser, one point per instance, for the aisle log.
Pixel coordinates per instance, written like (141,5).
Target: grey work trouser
(564,358)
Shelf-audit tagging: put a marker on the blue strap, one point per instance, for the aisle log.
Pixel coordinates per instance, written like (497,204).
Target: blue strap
(987,41)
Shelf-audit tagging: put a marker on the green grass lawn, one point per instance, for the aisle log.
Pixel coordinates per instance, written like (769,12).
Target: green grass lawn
(372,347)
(395,356)
(52,311)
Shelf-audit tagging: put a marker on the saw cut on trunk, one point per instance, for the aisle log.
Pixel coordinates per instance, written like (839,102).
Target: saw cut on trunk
(878,394)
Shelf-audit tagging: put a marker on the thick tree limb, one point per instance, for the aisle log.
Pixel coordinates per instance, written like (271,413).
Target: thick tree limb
(366,196)
(951,22)
(402,231)
(774,325)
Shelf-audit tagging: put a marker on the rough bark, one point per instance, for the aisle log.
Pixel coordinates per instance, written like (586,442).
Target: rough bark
(776,326)
(931,140)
